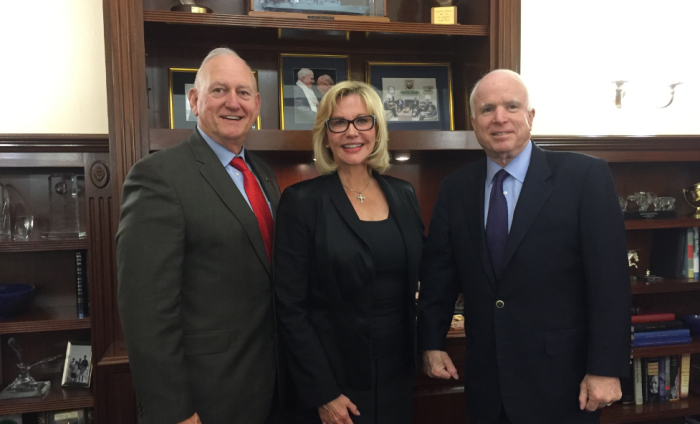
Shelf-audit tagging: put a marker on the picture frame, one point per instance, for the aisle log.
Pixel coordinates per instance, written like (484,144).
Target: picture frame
(180,80)
(77,368)
(296,109)
(341,10)
(421,98)
(75,416)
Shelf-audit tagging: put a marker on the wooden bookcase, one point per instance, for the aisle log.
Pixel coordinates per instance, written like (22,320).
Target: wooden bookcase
(144,39)
(52,320)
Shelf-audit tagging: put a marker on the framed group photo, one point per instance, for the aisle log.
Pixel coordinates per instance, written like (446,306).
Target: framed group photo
(78,366)
(416,96)
(180,81)
(304,79)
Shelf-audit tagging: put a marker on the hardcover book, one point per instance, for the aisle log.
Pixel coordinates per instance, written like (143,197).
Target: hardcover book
(643,327)
(636,319)
(680,332)
(652,379)
(661,341)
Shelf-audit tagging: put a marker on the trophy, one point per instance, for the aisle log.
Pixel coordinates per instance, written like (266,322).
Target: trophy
(692,196)
(24,385)
(190,6)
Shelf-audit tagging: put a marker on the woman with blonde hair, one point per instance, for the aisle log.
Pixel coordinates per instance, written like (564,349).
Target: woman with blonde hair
(347,251)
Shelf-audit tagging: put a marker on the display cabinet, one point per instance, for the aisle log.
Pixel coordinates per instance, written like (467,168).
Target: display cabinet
(33,166)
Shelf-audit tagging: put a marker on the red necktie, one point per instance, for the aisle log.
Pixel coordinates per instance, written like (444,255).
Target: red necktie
(257,202)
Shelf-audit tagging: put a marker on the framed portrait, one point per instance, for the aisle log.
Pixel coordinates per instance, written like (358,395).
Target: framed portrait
(180,81)
(416,96)
(78,366)
(304,79)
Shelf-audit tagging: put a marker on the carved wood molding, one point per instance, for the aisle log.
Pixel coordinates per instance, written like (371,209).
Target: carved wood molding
(505,34)
(54,142)
(126,84)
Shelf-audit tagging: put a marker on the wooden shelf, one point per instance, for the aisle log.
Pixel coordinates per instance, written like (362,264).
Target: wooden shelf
(674,349)
(653,224)
(43,245)
(281,140)
(116,354)
(45,319)
(58,398)
(215,19)
(619,413)
(668,285)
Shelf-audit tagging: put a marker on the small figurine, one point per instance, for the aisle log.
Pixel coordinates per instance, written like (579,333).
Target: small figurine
(632,258)
(24,385)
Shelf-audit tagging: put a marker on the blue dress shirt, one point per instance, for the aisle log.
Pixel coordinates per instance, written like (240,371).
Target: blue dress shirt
(517,169)
(226,156)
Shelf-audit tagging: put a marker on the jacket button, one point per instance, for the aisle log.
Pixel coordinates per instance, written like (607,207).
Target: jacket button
(500,304)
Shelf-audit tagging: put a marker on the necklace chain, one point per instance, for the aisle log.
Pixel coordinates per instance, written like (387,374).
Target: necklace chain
(360,196)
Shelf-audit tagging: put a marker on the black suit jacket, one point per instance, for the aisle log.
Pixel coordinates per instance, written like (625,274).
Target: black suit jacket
(565,288)
(323,281)
(195,289)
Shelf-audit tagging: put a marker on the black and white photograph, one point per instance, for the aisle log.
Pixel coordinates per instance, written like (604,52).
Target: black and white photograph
(304,79)
(417,103)
(416,96)
(78,365)
(181,80)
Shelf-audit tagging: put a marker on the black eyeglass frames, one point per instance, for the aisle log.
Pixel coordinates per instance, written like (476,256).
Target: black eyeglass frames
(361,123)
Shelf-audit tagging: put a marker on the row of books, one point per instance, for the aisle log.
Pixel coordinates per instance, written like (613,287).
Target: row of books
(675,253)
(76,416)
(658,379)
(658,329)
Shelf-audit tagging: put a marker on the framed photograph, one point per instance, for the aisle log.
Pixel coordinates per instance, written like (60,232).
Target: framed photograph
(304,79)
(181,80)
(78,366)
(416,96)
(76,416)
(337,10)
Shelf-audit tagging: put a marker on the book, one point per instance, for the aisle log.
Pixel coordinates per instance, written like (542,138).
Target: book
(667,378)
(696,251)
(656,326)
(661,341)
(685,375)
(79,284)
(638,391)
(662,379)
(667,249)
(645,381)
(675,378)
(679,332)
(636,319)
(652,375)
(690,259)
(627,386)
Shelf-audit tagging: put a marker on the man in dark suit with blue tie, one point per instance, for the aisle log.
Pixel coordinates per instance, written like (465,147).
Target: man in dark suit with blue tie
(535,240)
(194,264)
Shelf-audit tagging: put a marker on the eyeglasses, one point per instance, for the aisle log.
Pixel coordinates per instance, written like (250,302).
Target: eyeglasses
(361,123)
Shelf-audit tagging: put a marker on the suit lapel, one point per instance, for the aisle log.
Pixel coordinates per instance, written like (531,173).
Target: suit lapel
(402,213)
(215,174)
(535,192)
(474,211)
(344,207)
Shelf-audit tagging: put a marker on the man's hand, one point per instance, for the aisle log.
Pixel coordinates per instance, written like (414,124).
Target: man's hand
(437,364)
(336,411)
(598,392)
(194,419)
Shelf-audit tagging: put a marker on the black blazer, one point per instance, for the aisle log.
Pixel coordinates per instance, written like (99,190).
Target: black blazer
(323,282)
(565,288)
(195,289)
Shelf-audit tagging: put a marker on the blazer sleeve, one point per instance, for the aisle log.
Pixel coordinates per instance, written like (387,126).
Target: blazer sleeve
(438,278)
(308,364)
(604,253)
(150,249)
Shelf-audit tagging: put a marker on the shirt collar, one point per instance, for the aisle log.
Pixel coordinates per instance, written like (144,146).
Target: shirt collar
(224,154)
(517,168)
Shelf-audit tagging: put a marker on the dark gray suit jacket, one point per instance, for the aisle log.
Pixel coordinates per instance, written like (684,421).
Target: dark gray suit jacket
(195,289)
(564,289)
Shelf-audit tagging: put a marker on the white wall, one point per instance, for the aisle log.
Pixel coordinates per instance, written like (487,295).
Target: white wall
(52,67)
(572,51)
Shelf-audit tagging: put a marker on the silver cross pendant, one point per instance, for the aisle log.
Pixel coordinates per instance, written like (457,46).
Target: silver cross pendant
(362,198)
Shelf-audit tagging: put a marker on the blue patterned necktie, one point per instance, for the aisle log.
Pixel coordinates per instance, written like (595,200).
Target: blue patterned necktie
(497,222)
